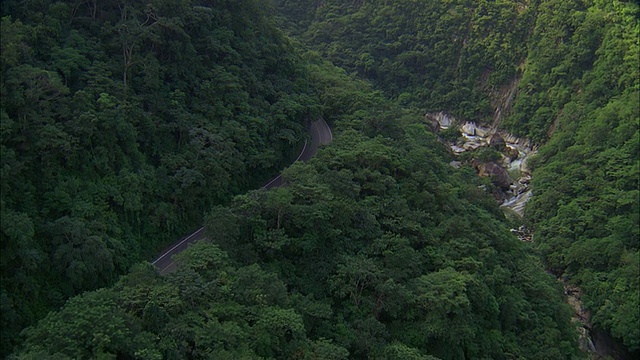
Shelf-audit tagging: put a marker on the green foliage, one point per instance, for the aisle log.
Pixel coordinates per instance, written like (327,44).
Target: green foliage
(585,209)
(121,124)
(450,134)
(95,327)
(210,309)
(375,227)
(376,248)
(482,154)
(574,70)
(577,48)
(438,55)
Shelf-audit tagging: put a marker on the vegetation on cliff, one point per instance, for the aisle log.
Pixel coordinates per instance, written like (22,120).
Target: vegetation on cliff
(562,73)
(121,124)
(376,248)
(586,208)
(124,122)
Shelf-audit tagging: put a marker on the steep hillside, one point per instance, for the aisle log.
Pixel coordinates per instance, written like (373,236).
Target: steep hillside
(586,208)
(454,56)
(121,123)
(567,74)
(377,248)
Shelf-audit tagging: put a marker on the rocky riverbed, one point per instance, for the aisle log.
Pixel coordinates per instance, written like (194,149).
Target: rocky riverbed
(503,157)
(495,154)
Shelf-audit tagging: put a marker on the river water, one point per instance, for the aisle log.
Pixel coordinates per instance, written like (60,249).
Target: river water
(597,343)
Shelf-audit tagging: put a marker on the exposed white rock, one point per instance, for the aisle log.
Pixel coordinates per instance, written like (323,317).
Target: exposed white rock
(472,137)
(469,128)
(509,138)
(443,119)
(482,132)
(472,145)
(515,151)
(517,203)
(514,140)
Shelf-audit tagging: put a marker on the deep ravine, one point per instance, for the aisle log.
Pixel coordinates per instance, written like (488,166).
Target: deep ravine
(512,177)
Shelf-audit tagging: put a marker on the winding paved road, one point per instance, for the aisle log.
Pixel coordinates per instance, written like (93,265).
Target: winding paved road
(320,135)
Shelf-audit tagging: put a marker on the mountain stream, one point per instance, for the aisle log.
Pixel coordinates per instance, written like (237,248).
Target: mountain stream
(511,177)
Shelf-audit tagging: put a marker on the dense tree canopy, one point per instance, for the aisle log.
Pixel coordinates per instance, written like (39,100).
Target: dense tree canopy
(457,56)
(587,209)
(125,124)
(566,72)
(377,248)
(121,123)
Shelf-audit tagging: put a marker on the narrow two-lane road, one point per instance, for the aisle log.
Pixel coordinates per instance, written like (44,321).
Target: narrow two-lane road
(320,135)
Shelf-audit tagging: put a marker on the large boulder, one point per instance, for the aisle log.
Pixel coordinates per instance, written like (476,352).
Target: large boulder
(511,153)
(469,128)
(497,142)
(496,173)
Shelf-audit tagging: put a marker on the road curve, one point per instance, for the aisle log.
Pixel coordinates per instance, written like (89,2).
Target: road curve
(320,135)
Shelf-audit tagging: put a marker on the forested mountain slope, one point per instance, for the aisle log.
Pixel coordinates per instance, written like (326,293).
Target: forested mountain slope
(563,73)
(455,56)
(586,208)
(377,248)
(121,123)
